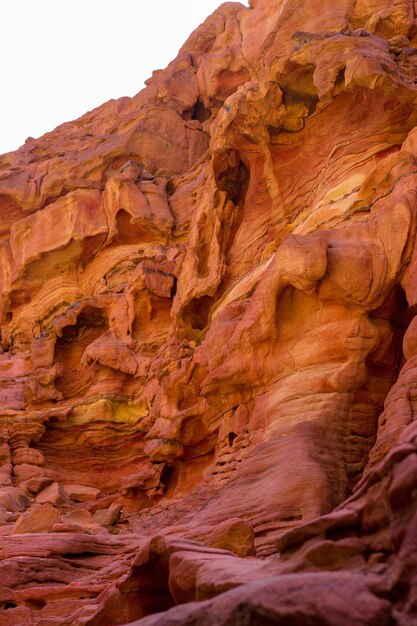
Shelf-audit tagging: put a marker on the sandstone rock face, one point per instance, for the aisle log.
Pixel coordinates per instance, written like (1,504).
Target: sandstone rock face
(208,364)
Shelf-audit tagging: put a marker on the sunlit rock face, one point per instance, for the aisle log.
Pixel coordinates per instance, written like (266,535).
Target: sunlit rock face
(208,368)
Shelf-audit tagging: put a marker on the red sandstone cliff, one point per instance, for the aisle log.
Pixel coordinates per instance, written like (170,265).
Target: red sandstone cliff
(208,373)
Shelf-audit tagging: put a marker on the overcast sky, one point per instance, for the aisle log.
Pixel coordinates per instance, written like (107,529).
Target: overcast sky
(62,58)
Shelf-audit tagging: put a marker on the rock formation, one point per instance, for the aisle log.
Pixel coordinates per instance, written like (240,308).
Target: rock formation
(208,344)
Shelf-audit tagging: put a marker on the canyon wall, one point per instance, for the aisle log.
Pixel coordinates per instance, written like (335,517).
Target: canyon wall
(208,368)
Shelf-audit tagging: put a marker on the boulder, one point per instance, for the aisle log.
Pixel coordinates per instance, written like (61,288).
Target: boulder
(108,517)
(53,493)
(81,493)
(38,519)
(13,499)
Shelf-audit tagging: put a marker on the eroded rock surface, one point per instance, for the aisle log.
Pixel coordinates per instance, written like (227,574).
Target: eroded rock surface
(208,365)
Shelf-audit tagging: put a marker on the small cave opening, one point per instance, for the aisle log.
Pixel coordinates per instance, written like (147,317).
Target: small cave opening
(174,288)
(232,175)
(90,318)
(396,311)
(10,605)
(383,365)
(340,78)
(129,233)
(170,476)
(306,96)
(77,556)
(231,439)
(198,112)
(35,605)
(197,312)
(91,324)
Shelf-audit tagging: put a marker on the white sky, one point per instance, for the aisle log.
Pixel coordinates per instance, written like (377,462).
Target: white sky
(62,58)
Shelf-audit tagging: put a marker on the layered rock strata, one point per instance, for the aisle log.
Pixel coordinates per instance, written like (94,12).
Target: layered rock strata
(208,362)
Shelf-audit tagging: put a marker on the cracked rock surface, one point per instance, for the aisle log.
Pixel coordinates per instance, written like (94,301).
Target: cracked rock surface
(208,364)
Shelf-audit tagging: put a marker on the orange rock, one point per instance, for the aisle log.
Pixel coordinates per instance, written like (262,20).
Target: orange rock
(54,494)
(108,517)
(39,519)
(13,499)
(81,493)
(207,316)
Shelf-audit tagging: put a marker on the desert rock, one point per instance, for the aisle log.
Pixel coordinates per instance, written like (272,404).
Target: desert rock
(207,308)
(38,519)
(81,493)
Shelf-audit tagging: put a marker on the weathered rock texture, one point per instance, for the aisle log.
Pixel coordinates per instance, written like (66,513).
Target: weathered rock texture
(209,361)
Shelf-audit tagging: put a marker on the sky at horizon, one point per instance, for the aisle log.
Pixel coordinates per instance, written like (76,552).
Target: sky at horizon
(62,58)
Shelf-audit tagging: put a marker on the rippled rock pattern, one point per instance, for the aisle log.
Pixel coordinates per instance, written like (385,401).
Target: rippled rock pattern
(208,372)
